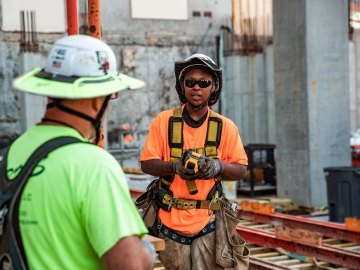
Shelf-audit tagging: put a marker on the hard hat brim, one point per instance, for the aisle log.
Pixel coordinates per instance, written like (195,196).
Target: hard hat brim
(72,87)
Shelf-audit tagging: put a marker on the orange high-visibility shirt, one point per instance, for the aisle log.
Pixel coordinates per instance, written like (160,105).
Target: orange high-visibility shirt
(156,146)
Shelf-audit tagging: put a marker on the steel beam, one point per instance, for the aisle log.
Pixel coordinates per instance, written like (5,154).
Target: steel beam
(326,228)
(332,255)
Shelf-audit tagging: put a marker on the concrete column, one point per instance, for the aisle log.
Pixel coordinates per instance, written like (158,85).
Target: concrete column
(311,77)
(248,96)
(32,106)
(355,97)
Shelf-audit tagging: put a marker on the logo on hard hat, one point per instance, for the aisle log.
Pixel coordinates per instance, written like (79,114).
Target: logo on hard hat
(103,60)
(58,58)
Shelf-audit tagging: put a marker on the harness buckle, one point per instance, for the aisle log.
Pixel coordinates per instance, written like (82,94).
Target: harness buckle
(209,208)
(214,199)
(171,204)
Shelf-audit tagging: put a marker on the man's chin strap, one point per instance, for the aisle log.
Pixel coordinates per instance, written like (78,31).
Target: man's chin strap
(96,122)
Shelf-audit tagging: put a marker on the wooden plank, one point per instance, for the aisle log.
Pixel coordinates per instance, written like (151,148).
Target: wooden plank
(289,261)
(158,243)
(276,258)
(302,265)
(344,245)
(261,226)
(257,207)
(265,255)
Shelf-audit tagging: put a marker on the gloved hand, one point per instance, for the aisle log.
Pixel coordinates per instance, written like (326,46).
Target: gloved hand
(212,169)
(184,173)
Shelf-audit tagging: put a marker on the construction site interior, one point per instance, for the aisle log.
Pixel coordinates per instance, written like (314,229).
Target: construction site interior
(291,80)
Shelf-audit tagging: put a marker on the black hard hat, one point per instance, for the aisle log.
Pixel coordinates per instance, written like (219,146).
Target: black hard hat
(203,61)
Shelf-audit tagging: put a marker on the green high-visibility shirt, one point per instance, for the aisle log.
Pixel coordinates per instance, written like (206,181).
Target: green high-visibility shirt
(75,206)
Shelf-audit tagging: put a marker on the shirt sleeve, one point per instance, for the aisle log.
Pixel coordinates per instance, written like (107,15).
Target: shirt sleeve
(154,147)
(232,147)
(109,213)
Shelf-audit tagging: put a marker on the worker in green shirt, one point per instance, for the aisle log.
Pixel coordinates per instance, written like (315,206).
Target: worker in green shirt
(76,211)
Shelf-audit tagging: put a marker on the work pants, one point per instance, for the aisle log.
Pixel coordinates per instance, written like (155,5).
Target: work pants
(199,255)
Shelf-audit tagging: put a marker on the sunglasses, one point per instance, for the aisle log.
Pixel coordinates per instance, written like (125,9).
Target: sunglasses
(200,83)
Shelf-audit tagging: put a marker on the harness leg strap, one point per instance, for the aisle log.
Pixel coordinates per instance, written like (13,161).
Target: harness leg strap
(180,238)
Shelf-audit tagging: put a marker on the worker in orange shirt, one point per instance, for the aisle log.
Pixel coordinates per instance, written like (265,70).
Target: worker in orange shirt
(190,202)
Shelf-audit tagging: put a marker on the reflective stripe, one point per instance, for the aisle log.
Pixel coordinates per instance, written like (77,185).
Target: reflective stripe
(175,153)
(72,79)
(175,134)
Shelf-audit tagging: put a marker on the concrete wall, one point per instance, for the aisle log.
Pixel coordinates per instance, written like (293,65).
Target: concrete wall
(10,108)
(17,110)
(248,96)
(144,48)
(118,20)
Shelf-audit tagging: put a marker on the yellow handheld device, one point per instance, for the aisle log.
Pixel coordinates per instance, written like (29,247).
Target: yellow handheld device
(193,160)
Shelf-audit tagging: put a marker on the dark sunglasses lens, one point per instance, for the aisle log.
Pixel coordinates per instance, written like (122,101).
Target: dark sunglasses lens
(204,83)
(190,83)
(201,83)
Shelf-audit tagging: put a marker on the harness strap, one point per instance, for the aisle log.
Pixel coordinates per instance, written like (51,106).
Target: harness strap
(175,134)
(176,143)
(175,138)
(213,135)
(167,202)
(179,238)
(216,188)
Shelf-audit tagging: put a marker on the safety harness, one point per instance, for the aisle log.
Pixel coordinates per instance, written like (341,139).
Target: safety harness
(165,196)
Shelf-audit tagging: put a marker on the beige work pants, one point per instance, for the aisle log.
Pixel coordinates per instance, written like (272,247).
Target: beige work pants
(199,255)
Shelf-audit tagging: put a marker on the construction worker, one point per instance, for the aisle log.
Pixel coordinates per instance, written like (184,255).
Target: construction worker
(187,200)
(76,211)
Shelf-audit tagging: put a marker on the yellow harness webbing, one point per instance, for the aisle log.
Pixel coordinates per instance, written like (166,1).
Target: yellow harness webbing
(213,137)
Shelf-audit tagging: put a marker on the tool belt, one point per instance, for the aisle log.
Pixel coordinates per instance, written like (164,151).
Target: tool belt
(166,199)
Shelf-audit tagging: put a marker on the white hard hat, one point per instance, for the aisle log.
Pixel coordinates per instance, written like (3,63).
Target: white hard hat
(78,66)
